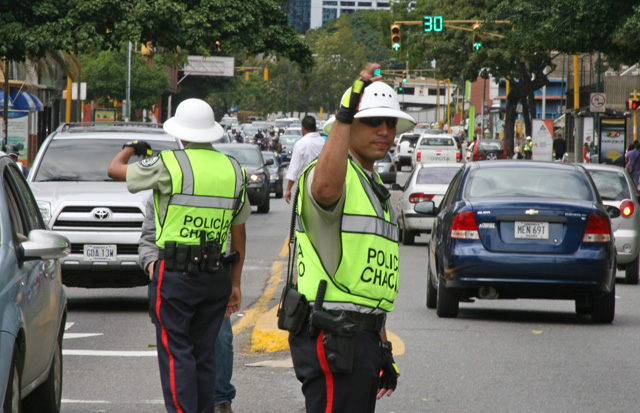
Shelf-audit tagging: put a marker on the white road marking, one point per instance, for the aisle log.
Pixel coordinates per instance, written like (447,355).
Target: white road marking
(114,353)
(80,335)
(86,401)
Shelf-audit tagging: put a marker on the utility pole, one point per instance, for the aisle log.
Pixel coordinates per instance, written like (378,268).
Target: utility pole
(126,113)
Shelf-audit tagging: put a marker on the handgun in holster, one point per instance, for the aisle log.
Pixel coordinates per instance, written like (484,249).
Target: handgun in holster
(228,259)
(338,334)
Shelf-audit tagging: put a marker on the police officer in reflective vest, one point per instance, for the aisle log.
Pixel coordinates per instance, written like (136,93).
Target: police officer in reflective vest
(199,197)
(348,243)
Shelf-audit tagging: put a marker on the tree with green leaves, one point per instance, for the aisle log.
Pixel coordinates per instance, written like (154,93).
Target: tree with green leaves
(106,75)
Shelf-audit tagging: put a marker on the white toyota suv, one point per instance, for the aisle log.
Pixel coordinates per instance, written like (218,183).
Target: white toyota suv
(435,148)
(98,215)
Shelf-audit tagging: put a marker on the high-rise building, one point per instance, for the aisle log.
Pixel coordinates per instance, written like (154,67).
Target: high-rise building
(311,14)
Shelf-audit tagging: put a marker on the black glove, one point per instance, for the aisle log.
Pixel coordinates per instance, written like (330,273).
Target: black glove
(389,373)
(141,148)
(351,101)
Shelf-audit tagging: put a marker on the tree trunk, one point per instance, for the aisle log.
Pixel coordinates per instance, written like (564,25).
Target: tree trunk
(510,120)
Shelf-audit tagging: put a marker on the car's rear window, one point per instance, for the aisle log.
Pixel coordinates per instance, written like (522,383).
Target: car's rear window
(438,176)
(87,159)
(528,182)
(437,142)
(490,146)
(611,185)
(412,139)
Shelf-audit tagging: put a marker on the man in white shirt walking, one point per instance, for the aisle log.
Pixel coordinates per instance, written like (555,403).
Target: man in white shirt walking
(304,151)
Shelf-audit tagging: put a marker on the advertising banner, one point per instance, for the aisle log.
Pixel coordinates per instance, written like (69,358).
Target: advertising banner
(542,139)
(612,140)
(18,132)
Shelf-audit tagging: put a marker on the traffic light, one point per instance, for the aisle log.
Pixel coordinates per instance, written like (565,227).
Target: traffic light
(266,74)
(404,76)
(633,104)
(395,37)
(477,42)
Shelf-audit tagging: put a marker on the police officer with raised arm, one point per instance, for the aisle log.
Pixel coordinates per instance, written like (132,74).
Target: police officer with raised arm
(347,255)
(199,197)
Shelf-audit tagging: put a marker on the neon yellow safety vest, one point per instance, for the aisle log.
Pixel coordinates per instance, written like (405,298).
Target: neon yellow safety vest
(528,146)
(368,269)
(207,192)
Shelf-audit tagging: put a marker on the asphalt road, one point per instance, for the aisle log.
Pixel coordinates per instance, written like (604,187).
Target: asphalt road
(497,356)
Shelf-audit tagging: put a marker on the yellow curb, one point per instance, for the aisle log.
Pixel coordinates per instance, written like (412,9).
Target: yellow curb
(267,337)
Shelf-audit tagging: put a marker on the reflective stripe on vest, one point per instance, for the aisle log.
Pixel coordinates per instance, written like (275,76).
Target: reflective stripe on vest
(367,275)
(201,200)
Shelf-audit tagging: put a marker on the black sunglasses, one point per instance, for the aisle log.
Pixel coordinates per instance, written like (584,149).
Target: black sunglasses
(377,121)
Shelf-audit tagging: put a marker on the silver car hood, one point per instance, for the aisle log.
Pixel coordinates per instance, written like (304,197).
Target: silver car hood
(84,193)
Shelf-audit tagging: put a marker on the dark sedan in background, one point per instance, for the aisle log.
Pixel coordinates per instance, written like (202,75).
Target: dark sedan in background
(509,229)
(250,158)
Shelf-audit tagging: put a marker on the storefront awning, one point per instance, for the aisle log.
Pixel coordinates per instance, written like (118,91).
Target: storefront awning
(21,100)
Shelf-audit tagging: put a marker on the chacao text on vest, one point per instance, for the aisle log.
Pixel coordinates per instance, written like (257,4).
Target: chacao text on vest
(214,227)
(381,268)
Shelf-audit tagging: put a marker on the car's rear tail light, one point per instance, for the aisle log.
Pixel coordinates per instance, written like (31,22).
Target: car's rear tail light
(398,150)
(458,157)
(598,229)
(418,156)
(504,152)
(392,168)
(627,208)
(464,226)
(416,197)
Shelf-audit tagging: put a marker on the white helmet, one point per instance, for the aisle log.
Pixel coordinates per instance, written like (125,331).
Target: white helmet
(194,122)
(379,99)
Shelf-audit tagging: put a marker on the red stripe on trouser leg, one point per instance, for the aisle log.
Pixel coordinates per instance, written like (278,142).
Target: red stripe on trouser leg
(328,376)
(165,342)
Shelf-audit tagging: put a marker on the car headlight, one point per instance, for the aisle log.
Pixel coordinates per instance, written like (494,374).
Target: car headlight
(45,210)
(274,177)
(256,178)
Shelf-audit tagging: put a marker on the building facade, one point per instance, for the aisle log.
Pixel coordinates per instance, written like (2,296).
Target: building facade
(311,14)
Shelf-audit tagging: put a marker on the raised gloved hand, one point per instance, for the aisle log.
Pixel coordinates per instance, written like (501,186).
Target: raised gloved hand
(351,99)
(389,373)
(141,148)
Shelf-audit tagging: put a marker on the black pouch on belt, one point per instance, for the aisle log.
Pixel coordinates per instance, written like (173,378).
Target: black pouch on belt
(338,348)
(182,257)
(293,312)
(170,255)
(195,258)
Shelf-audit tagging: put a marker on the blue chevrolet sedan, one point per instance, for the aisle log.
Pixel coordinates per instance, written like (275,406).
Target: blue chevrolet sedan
(521,229)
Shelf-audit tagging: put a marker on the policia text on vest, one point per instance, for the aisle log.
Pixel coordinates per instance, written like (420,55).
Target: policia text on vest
(193,225)
(381,268)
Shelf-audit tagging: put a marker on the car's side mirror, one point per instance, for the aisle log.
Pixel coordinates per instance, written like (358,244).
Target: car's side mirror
(43,244)
(612,211)
(269,162)
(396,187)
(426,208)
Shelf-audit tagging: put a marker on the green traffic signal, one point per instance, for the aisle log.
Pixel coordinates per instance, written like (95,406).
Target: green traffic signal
(396,46)
(477,46)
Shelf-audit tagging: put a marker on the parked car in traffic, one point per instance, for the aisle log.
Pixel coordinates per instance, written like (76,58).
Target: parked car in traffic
(617,190)
(436,148)
(513,229)
(404,149)
(428,181)
(293,130)
(276,173)
(100,217)
(386,169)
(489,150)
(257,169)
(32,300)
(287,142)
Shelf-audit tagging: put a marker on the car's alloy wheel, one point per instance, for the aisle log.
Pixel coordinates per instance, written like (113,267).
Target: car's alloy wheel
(447,302)
(631,272)
(603,309)
(12,396)
(47,397)
(279,191)
(491,156)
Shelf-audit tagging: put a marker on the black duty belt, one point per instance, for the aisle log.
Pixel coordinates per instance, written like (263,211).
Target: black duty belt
(364,322)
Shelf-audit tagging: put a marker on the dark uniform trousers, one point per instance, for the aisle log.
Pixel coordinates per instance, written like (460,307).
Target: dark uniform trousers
(329,392)
(187,311)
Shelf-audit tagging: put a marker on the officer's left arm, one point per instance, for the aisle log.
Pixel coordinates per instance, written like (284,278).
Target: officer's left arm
(238,243)
(118,167)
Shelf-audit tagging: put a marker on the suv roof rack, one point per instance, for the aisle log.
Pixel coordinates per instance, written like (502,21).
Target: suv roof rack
(105,126)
